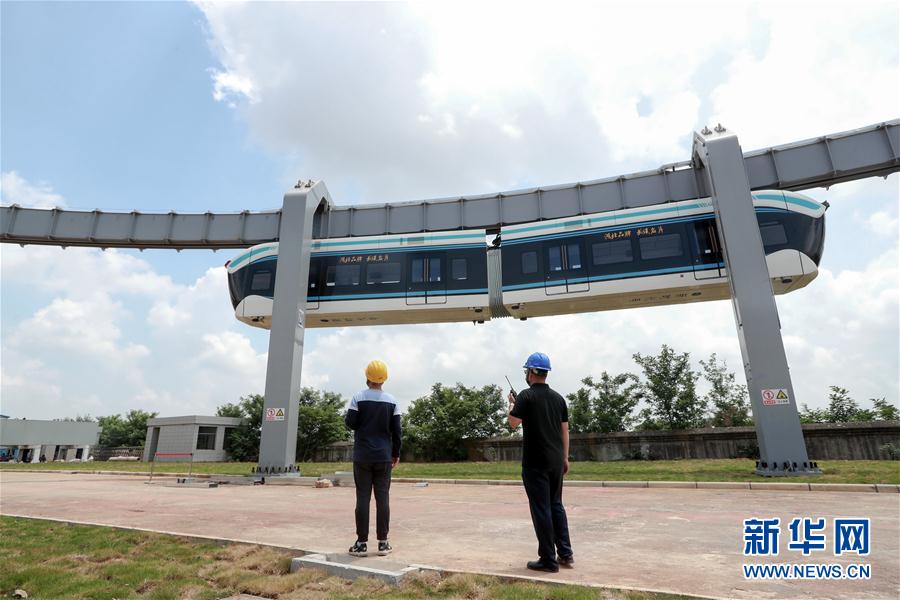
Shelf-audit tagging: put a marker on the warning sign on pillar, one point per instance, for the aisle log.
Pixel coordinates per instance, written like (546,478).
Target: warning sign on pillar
(775,396)
(274,414)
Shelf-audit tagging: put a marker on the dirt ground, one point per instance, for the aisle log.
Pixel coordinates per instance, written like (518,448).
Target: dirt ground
(683,541)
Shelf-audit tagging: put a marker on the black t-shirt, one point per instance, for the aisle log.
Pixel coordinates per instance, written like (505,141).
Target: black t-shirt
(543,412)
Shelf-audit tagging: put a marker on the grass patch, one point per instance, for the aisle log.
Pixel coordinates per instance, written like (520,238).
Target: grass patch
(57,560)
(834,471)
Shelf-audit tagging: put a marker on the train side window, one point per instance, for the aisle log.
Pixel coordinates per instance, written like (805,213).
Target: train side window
(313,276)
(661,246)
(417,266)
(342,275)
(434,270)
(261,281)
(554,256)
(382,273)
(608,253)
(529,262)
(459,269)
(773,234)
(573,256)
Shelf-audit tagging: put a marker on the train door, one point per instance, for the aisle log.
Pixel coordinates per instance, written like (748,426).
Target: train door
(706,252)
(427,282)
(565,269)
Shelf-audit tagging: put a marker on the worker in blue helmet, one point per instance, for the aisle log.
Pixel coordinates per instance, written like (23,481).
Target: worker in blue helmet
(544,417)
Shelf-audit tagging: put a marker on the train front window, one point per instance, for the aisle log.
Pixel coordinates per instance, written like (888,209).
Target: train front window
(773,234)
(661,246)
(382,273)
(609,253)
(261,281)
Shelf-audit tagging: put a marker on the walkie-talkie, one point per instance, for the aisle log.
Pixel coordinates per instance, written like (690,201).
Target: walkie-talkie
(511,389)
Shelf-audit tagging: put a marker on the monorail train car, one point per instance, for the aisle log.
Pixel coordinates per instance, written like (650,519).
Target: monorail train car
(374,280)
(653,255)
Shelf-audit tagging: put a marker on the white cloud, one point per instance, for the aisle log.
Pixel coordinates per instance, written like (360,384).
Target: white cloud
(231,351)
(83,327)
(436,99)
(80,272)
(823,71)
(14,189)
(881,223)
(119,335)
(229,87)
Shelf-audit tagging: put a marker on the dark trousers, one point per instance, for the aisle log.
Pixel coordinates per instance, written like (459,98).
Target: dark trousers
(371,476)
(548,515)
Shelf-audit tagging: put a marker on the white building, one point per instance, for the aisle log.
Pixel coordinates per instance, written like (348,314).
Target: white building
(26,440)
(190,438)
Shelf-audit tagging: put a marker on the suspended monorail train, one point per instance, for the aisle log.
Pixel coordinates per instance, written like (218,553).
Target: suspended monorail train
(653,255)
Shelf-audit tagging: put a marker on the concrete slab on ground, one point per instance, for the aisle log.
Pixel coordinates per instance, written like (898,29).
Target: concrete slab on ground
(352,567)
(687,541)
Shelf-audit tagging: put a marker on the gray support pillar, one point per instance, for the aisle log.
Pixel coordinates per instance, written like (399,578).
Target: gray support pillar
(278,444)
(781,445)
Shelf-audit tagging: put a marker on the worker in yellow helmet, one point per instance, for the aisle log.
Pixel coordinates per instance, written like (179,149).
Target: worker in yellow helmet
(375,419)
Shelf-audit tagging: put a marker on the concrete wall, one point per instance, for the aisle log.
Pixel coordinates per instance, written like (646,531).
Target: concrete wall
(27,432)
(824,441)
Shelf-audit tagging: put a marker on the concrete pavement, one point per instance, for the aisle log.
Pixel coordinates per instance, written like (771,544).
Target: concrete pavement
(684,541)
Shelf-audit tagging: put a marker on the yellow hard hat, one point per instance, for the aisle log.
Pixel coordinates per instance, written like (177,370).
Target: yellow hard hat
(376,372)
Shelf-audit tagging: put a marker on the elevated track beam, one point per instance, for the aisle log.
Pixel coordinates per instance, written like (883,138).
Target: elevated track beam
(820,162)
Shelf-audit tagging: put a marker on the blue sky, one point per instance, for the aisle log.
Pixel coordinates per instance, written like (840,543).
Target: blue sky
(160,106)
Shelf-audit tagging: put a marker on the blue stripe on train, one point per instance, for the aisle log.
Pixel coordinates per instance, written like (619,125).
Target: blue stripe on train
(631,275)
(473,291)
(568,234)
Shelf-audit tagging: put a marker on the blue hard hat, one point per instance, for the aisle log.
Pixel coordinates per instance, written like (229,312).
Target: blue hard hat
(538,360)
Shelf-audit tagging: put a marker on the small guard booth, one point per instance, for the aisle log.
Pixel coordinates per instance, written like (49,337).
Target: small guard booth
(192,438)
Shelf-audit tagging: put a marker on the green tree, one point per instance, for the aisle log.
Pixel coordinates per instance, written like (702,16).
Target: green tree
(581,416)
(728,400)
(670,390)
(813,415)
(884,410)
(844,409)
(130,430)
(77,419)
(320,421)
(604,406)
(841,407)
(436,425)
(242,442)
